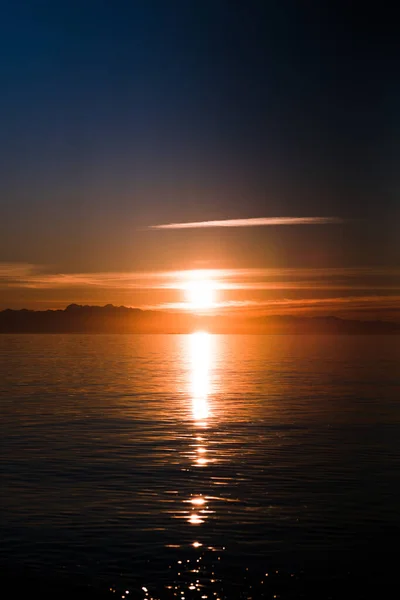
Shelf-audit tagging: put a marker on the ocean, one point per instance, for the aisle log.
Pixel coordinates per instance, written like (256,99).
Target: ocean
(199,466)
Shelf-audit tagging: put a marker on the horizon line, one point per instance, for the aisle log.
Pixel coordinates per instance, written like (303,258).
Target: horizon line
(281,303)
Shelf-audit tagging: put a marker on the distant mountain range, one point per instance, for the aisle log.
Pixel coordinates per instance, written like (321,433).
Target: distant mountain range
(119,319)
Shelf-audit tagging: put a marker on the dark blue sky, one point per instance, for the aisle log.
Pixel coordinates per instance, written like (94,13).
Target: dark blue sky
(118,115)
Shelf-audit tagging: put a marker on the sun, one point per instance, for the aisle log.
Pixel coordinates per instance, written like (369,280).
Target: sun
(200,293)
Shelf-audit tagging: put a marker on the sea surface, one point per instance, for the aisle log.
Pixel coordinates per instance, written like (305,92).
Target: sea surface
(200,466)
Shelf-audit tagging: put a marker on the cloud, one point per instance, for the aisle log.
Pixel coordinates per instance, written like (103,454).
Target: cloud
(15,270)
(257,222)
(25,275)
(328,305)
(256,290)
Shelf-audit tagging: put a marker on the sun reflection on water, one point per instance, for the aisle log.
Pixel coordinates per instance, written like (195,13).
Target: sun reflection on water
(199,501)
(201,364)
(200,355)
(197,573)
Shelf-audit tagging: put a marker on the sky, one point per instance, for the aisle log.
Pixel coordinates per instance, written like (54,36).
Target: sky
(272,128)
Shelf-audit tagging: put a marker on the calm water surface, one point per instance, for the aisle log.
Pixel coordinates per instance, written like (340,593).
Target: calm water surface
(195,464)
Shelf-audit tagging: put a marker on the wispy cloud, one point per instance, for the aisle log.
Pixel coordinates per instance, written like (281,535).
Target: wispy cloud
(15,270)
(328,305)
(291,306)
(255,222)
(255,290)
(24,275)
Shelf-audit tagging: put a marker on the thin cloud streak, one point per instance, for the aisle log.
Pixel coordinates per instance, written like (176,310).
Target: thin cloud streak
(255,222)
(293,306)
(14,270)
(24,275)
(169,287)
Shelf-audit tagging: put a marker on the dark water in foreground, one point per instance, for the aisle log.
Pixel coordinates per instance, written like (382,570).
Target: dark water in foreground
(198,466)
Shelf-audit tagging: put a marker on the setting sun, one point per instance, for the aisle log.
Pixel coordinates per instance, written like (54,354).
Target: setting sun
(200,293)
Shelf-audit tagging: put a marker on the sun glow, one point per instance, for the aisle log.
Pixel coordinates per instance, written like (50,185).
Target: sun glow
(200,292)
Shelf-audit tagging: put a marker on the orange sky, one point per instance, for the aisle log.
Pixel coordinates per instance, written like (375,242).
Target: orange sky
(363,292)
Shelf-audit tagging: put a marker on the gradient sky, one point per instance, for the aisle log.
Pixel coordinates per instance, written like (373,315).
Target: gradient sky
(119,116)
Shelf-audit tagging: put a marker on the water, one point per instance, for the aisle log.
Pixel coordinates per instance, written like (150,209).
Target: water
(194,465)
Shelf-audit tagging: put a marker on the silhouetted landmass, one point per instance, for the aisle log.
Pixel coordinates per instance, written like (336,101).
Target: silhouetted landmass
(119,319)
